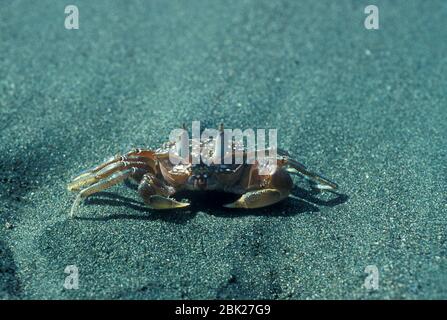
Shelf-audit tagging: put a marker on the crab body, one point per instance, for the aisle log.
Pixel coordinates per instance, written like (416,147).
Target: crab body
(161,173)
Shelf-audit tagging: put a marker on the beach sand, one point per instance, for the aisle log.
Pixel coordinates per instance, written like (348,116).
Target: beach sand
(366,108)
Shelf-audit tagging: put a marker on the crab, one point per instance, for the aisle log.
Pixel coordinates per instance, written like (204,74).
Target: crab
(159,179)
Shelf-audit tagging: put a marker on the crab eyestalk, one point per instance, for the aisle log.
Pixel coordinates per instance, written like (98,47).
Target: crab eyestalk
(219,145)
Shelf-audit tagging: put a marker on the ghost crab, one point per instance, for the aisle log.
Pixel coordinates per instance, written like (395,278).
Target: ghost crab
(159,179)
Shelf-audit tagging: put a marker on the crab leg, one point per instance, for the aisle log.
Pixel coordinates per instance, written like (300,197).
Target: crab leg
(102,185)
(136,154)
(293,166)
(156,194)
(89,178)
(316,180)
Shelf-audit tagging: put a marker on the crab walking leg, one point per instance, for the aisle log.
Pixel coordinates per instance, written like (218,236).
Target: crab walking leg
(91,178)
(317,180)
(134,155)
(156,194)
(102,185)
(295,167)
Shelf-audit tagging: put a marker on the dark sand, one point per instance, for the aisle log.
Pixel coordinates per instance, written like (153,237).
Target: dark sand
(365,108)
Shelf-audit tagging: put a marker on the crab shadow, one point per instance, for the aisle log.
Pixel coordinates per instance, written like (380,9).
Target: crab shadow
(302,201)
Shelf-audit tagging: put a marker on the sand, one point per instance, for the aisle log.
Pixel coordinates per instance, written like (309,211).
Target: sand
(365,108)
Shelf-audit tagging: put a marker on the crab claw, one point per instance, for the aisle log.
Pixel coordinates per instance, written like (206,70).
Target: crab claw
(160,202)
(257,199)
